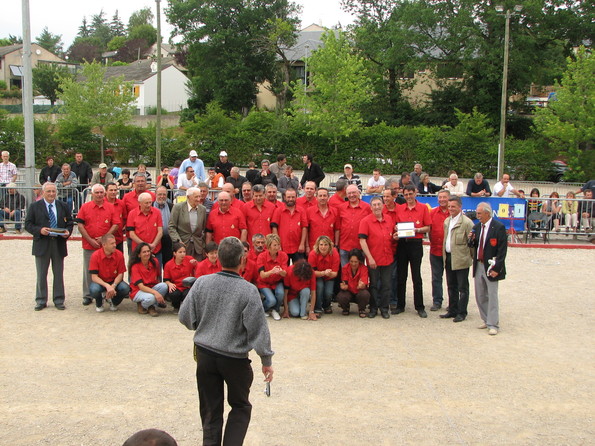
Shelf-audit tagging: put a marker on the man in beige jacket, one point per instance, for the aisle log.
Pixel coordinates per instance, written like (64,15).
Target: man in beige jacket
(187,223)
(458,258)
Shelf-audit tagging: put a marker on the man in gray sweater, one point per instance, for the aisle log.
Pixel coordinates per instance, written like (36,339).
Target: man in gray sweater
(226,312)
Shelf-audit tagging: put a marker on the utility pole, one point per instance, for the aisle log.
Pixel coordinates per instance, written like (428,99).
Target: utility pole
(158,122)
(28,99)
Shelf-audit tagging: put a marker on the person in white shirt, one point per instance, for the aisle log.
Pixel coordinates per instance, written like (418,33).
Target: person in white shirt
(376,183)
(504,189)
(454,186)
(187,181)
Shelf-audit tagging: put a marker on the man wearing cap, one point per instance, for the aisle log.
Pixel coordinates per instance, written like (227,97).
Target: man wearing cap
(197,165)
(223,166)
(351,177)
(102,176)
(11,207)
(49,172)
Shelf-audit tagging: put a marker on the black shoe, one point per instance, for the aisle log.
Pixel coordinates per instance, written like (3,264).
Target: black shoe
(399,310)
(60,306)
(87,301)
(372,314)
(385,314)
(447,315)
(422,313)
(435,307)
(459,318)
(40,307)
(160,305)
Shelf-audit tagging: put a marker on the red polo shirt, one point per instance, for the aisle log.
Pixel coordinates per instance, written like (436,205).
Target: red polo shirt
(121,211)
(266,263)
(250,272)
(419,215)
(290,227)
(147,275)
(437,216)
(379,236)
(258,221)
(225,224)
(390,213)
(349,218)
(235,204)
(321,225)
(145,226)
(174,273)
(97,220)
(353,279)
(205,267)
(107,267)
(322,263)
(130,200)
(304,203)
(294,284)
(336,202)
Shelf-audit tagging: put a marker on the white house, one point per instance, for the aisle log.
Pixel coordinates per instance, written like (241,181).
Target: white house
(143,76)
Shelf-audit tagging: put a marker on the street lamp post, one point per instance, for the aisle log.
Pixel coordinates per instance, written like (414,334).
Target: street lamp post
(503,100)
(158,120)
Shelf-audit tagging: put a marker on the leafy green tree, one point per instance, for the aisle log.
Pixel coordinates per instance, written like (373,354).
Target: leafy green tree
(568,123)
(226,58)
(117,26)
(146,32)
(47,78)
(339,87)
(100,29)
(132,50)
(143,16)
(116,43)
(84,30)
(49,41)
(96,101)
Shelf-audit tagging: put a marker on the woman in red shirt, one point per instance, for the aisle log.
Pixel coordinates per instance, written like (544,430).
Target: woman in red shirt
(354,284)
(272,266)
(146,290)
(325,261)
(175,271)
(300,287)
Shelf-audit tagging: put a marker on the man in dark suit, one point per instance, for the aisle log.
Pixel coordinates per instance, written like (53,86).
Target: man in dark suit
(43,216)
(489,237)
(187,223)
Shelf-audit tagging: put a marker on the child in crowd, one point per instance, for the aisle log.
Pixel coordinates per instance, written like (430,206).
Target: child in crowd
(300,287)
(211,264)
(175,271)
(570,212)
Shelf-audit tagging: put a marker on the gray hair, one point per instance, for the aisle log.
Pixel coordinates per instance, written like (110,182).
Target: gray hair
(444,191)
(341,184)
(193,190)
(201,185)
(257,237)
(485,206)
(258,188)
(230,253)
(235,169)
(376,198)
(5,152)
(457,199)
(46,184)
(478,175)
(144,196)
(270,186)
(97,186)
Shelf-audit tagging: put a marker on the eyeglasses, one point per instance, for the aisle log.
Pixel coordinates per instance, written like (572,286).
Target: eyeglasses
(190,171)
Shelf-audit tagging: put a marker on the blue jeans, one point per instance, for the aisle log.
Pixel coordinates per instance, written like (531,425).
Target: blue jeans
(299,305)
(16,217)
(437,266)
(272,299)
(324,293)
(96,290)
(147,299)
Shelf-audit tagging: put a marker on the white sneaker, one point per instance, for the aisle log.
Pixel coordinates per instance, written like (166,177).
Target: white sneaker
(99,309)
(112,307)
(275,315)
(267,314)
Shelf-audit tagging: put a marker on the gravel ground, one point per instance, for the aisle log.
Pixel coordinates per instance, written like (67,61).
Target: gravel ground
(81,378)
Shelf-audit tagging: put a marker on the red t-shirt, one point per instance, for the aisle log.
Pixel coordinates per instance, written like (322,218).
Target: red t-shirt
(250,272)
(379,236)
(290,227)
(145,226)
(392,214)
(294,284)
(122,213)
(205,267)
(174,273)
(147,275)
(321,225)
(258,221)
(221,225)
(437,216)
(235,204)
(304,204)
(336,202)
(322,263)
(419,215)
(97,220)
(107,267)
(266,263)
(353,279)
(349,218)
(130,200)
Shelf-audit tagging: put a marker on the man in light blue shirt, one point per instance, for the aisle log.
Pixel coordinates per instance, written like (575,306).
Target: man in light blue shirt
(196,163)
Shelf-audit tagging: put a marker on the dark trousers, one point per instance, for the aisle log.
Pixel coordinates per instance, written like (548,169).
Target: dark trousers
(212,371)
(437,266)
(42,265)
(345,297)
(380,287)
(410,252)
(166,249)
(177,297)
(458,289)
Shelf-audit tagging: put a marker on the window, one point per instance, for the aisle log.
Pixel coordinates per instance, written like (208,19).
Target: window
(449,70)
(136,91)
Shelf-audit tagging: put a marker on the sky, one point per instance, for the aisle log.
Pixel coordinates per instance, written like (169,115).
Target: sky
(65,16)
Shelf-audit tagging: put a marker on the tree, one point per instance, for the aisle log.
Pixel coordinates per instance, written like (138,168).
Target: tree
(84,30)
(143,16)
(145,32)
(339,87)
(100,29)
(46,80)
(132,50)
(96,101)
(117,26)
(116,43)
(84,50)
(49,41)
(568,123)
(226,59)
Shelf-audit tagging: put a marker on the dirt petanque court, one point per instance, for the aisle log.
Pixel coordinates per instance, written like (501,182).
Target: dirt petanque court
(78,377)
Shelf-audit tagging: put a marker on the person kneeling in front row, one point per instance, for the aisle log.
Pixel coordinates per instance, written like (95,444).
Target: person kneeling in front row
(147,291)
(107,268)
